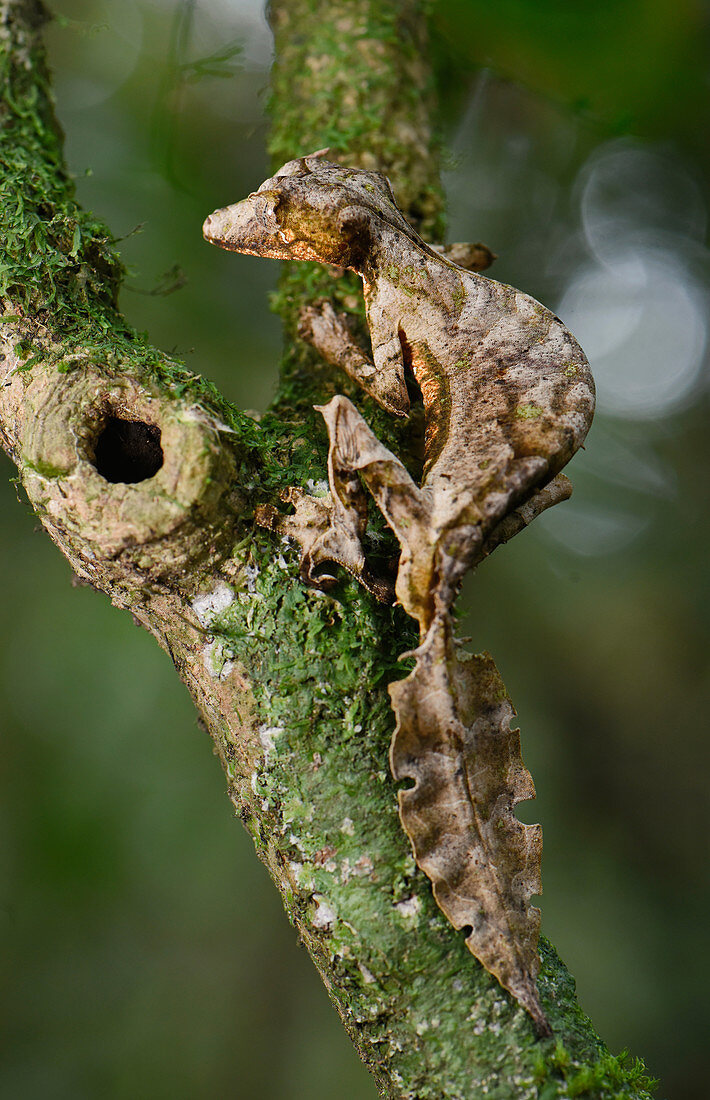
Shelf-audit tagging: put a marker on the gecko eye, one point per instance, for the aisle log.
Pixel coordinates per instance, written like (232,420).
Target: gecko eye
(264,208)
(291,168)
(354,221)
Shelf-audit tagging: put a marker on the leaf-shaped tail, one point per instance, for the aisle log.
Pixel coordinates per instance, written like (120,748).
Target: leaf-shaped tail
(453,738)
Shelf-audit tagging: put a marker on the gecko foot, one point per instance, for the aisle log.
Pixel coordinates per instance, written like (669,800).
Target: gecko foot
(329,333)
(326,536)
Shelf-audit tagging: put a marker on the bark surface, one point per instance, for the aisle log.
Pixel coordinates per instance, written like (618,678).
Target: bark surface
(149,482)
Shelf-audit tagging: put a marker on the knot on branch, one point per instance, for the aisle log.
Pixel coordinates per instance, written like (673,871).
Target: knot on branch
(135,486)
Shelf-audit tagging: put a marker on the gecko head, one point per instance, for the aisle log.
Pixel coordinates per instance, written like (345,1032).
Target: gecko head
(312,209)
(249,226)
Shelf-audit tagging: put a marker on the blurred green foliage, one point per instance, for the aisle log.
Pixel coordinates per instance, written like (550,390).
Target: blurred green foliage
(145,951)
(629,65)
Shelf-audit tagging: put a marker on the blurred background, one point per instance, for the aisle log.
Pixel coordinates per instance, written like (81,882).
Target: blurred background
(144,950)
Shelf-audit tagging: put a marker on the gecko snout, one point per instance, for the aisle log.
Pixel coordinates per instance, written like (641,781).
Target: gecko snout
(208,227)
(216,228)
(248,226)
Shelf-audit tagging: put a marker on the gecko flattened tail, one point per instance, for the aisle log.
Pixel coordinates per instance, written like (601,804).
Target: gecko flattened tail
(453,738)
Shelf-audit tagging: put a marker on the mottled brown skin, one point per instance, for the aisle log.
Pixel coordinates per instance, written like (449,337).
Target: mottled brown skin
(508,399)
(507,391)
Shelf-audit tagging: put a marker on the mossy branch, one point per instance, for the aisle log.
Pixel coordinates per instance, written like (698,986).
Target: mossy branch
(148,480)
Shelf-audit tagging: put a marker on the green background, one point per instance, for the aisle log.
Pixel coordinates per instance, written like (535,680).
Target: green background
(144,951)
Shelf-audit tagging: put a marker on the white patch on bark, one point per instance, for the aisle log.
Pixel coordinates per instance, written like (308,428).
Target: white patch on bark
(367,976)
(409,908)
(324,917)
(251,572)
(218,665)
(208,606)
(318,488)
(267,736)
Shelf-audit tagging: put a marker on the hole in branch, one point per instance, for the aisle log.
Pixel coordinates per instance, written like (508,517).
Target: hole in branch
(128,450)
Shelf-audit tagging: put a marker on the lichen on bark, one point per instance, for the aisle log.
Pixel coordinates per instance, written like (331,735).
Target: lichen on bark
(290,682)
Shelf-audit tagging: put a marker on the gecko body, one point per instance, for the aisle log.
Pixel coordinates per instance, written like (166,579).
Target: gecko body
(508,398)
(507,391)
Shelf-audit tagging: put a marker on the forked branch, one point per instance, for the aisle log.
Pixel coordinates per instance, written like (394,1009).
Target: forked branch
(290,681)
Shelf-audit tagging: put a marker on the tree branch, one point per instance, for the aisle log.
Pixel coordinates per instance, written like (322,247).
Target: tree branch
(148,482)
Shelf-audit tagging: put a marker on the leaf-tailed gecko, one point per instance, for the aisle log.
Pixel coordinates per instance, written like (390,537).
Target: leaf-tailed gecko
(508,398)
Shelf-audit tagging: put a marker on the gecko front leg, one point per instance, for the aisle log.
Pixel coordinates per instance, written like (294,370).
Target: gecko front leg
(330,530)
(355,451)
(329,333)
(381,376)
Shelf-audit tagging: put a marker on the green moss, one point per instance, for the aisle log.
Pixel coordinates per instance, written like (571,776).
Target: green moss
(59,264)
(45,469)
(527,412)
(609,1077)
(53,256)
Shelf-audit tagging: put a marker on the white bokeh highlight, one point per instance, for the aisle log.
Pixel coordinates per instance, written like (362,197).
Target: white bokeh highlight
(638,305)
